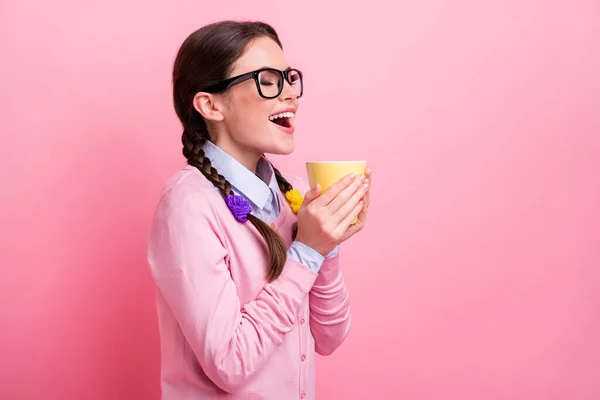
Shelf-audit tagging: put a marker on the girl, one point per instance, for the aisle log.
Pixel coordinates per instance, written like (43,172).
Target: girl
(247,271)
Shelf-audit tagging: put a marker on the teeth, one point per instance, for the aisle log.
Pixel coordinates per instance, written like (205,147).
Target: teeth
(282,115)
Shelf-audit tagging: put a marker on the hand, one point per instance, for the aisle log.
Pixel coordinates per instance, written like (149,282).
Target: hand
(362,216)
(325,220)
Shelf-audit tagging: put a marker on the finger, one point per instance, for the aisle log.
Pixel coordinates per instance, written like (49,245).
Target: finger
(327,196)
(311,195)
(368,178)
(362,216)
(369,175)
(346,225)
(345,195)
(347,205)
(366,199)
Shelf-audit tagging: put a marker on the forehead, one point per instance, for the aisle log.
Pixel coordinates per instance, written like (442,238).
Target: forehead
(262,52)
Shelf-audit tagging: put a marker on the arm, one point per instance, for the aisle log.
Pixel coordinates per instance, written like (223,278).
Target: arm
(329,304)
(330,316)
(187,259)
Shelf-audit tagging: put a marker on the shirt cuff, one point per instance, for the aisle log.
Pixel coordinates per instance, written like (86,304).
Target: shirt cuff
(333,252)
(306,255)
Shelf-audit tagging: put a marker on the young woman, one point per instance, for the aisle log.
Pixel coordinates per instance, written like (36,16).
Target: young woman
(247,271)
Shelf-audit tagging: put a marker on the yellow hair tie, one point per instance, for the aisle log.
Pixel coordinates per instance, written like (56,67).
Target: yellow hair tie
(295,199)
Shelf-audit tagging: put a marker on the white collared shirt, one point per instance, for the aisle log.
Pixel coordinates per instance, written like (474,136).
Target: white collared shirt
(260,190)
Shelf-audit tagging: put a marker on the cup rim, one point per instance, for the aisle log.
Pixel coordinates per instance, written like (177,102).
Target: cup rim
(337,162)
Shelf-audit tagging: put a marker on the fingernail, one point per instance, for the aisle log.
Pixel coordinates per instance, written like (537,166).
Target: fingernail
(351,177)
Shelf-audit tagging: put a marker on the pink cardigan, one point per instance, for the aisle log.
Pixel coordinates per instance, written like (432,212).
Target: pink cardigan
(225,332)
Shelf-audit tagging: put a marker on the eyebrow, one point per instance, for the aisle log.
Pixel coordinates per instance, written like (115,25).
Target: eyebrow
(265,66)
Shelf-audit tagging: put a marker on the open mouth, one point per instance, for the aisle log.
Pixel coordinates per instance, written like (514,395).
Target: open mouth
(283,119)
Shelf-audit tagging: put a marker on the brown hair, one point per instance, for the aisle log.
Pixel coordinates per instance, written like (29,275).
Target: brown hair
(206,57)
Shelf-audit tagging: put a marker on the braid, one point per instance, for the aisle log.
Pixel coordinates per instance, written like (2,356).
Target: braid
(285,187)
(192,150)
(193,141)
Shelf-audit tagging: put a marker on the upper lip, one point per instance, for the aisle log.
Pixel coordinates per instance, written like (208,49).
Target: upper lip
(291,109)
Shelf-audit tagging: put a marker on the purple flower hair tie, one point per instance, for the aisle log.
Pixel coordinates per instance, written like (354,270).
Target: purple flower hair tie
(239,206)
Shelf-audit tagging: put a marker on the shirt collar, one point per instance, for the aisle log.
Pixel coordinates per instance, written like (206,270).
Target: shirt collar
(256,188)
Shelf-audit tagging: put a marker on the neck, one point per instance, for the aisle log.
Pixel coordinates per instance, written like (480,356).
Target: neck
(246,157)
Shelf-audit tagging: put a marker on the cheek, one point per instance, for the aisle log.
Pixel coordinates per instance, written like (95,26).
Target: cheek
(252,111)
(258,111)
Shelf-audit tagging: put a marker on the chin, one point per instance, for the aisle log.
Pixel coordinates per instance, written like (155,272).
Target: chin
(289,149)
(282,146)
(283,150)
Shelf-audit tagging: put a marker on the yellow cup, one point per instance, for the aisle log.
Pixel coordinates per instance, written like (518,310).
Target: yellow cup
(326,173)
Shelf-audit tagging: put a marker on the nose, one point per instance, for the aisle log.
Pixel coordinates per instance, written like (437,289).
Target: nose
(288,92)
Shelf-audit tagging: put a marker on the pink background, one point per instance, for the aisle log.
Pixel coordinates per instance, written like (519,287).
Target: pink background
(478,274)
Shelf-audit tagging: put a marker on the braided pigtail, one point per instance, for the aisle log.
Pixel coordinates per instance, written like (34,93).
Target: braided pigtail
(193,141)
(292,195)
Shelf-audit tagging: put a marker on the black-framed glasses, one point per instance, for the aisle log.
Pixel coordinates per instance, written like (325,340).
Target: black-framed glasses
(269,82)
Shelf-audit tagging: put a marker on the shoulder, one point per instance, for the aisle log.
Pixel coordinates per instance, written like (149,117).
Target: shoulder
(188,193)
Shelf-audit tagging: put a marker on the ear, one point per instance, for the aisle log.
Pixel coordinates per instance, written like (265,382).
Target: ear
(209,106)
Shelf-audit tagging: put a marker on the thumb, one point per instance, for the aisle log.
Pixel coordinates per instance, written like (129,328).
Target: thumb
(312,194)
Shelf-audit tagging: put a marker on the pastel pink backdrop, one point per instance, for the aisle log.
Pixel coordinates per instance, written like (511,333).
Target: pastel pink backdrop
(478,274)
